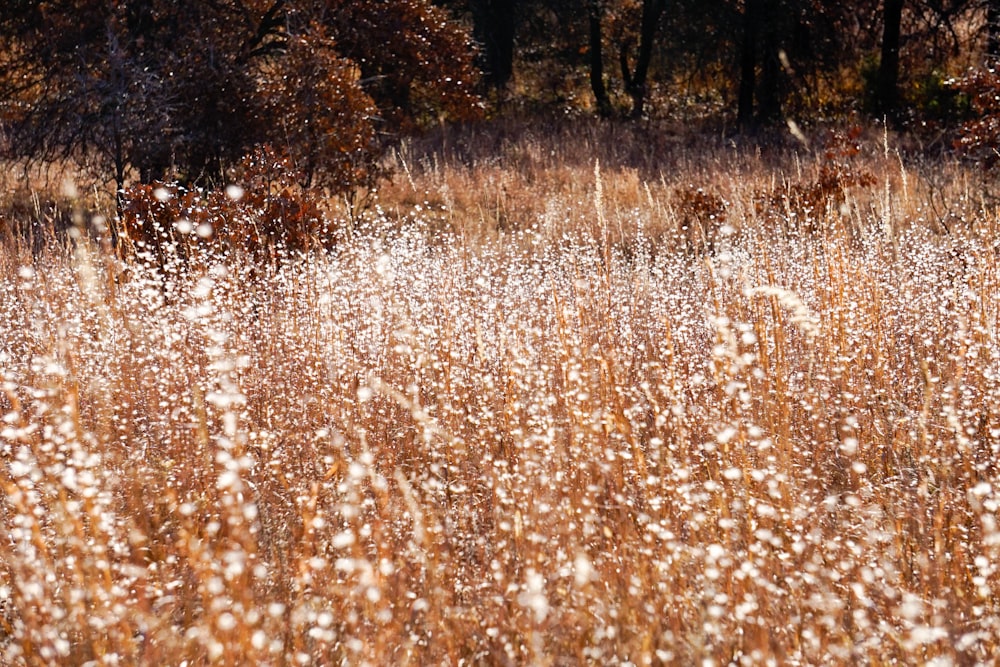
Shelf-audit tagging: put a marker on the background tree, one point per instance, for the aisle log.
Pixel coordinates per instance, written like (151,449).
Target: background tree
(299,90)
(415,61)
(494,27)
(160,88)
(793,53)
(595,15)
(131,85)
(748,62)
(635,77)
(632,30)
(887,78)
(993,30)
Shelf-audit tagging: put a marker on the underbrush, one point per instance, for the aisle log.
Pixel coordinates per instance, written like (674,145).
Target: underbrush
(746,412)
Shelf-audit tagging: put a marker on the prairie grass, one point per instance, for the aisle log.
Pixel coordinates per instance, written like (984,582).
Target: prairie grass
(565,397)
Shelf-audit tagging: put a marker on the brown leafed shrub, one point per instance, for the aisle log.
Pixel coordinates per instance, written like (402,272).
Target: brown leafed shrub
(700,212)
(839,171)
(979,136)
(695,203)
(264,209)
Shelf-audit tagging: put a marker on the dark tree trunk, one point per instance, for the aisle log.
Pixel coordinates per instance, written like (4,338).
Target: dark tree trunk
(993,31)
(887,78)
(762,77)
(771,88)
(597,61)
(748,65)
(635,81)
(494,26)
(770,28)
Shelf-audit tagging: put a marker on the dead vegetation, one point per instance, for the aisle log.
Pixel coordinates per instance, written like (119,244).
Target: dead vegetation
(740,409)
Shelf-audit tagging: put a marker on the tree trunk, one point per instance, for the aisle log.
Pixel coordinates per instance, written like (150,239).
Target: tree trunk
(768,23)
(771,95)
(635,82)
(748,65)
(993,32)
(887,78)
(494,26)
(597,62)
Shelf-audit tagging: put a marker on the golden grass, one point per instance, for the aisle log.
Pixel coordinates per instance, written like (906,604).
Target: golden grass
(560,415)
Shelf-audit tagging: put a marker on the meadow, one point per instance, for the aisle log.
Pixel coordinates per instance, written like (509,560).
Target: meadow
(566,394)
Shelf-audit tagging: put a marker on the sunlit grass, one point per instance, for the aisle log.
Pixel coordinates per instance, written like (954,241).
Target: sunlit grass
(630,425)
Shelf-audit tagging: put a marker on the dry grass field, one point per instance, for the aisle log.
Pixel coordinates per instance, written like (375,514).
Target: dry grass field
(568,395)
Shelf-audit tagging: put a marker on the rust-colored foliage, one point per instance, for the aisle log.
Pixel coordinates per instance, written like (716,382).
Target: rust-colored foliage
(321,114)
(697,204)
(836,171)
(265,209)
(837,174)
(700,212)
(980,135)
(416,61)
